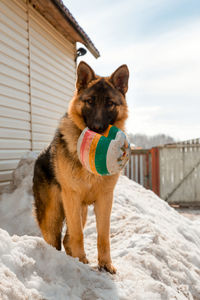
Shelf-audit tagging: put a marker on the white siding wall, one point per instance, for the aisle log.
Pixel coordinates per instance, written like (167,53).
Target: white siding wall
(14,87)
(37,80)
(52,78)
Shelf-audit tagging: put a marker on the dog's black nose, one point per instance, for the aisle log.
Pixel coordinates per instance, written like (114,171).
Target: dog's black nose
(99,128)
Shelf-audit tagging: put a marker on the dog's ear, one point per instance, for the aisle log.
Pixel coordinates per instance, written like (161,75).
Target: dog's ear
(120,79)
(85,74)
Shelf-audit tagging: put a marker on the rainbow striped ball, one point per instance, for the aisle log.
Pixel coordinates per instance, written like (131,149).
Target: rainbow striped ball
(103,154)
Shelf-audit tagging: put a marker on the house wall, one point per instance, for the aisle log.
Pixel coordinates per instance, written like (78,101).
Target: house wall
(37,80)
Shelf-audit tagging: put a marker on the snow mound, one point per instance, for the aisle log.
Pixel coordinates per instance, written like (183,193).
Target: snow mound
(155,249)
(16,206)
(31,269)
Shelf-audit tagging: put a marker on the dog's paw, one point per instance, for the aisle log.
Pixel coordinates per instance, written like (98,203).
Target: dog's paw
(84,260)
(108,268)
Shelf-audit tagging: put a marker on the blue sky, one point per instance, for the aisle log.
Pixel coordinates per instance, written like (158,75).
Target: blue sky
(159,40)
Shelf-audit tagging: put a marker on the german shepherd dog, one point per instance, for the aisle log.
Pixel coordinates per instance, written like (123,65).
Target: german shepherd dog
(62,187)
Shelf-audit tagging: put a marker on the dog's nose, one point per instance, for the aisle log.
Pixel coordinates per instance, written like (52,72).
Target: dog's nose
(97,127)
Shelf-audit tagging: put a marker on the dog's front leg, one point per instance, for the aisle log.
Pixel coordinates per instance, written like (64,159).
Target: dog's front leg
(73,240)
(103,207)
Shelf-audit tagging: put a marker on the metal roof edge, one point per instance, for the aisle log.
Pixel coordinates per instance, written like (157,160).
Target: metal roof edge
(72,21)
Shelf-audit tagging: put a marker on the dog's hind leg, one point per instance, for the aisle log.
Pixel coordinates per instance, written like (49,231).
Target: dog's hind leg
(49,213)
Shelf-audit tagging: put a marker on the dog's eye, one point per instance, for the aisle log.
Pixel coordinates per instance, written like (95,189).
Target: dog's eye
(110,103)
(89,101)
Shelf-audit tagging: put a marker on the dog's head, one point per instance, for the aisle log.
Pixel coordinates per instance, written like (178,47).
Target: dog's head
(99,101)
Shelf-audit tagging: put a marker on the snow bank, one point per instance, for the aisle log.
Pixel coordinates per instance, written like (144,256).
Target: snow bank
(31,269)
(16,206)
(155,249)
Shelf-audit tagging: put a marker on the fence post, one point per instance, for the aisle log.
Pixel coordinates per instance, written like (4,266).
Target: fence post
(147,175)
(155,170)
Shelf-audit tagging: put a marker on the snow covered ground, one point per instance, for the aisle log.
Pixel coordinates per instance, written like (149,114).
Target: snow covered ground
(192,214)
(155,249)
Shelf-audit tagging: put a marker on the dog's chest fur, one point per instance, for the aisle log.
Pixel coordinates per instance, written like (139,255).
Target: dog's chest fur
(69,171)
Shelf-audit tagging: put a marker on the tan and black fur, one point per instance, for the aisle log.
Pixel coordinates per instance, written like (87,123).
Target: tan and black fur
(62,188)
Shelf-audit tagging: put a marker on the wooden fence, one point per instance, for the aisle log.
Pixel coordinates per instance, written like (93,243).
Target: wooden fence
(171,171)
(138,167)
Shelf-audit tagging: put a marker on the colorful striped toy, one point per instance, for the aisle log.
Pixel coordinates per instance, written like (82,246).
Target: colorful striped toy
(103,154)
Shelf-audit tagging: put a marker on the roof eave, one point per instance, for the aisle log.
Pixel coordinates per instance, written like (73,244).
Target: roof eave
(60,17)
(84,38)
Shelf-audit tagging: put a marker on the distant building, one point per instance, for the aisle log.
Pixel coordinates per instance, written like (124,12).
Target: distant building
(38,63)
